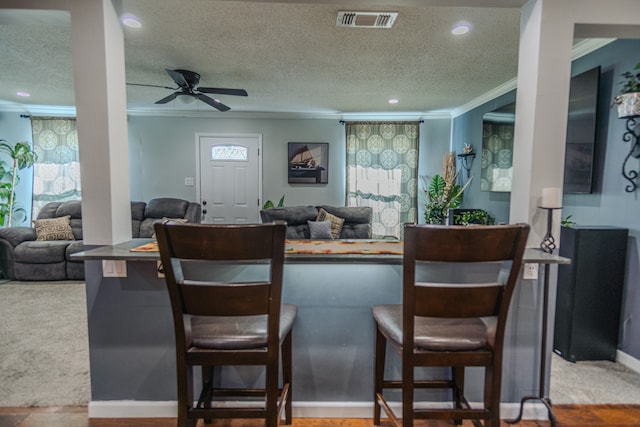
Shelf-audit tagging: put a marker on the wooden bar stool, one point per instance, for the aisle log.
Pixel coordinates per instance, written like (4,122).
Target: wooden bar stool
(221,318)
(445,323)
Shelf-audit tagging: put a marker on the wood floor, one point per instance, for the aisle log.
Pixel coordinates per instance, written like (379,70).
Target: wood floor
(567,416)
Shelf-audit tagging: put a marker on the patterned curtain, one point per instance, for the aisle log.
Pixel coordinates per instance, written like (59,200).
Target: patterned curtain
(382,172)
(56,173)
(497,156)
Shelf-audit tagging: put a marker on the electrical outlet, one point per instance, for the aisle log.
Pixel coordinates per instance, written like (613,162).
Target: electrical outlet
(114,268)
(530,271)
(189,181)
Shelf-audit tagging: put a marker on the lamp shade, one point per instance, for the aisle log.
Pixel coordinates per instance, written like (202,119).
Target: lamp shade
(186,99)
(551,198)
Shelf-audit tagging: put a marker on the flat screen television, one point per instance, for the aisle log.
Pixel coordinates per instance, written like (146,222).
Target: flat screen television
(581,132)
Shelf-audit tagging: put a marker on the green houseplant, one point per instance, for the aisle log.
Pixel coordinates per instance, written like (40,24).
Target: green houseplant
(628,99)
(269,204)
(567,221)
(442,196)
(475,216)
(22,157)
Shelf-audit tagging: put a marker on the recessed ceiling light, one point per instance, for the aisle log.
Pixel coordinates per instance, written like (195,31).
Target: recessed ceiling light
(131,21)
(461,29)
(23,93)
(393,101)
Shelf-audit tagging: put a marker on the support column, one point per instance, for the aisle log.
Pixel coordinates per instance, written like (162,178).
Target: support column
(544,73)
(99,76)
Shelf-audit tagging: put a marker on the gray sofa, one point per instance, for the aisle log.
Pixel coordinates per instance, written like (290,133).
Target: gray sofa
(22,257)
(357,220)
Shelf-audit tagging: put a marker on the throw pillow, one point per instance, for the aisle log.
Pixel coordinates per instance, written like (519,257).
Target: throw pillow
(54,228)
(320,229)
(336,222)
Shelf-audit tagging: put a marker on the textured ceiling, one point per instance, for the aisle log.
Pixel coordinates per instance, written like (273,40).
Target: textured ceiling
(289,56)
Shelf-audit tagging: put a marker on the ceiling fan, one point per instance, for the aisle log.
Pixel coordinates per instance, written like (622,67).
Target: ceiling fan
(187,82)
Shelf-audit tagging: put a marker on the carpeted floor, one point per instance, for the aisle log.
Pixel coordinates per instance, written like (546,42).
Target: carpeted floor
(593,382)
(44,355)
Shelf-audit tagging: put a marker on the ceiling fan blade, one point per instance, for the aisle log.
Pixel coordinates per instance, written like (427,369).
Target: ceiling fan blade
(177,77)
(212,102)
(168,98)
(223,91)
(141,84)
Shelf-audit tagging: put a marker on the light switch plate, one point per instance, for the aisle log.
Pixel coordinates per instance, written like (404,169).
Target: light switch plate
(114,268)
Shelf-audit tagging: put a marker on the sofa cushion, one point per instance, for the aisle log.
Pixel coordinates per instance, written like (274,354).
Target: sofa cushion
(352,230)
(166,207)
(41,252)
(49,210)
(73,208)
(72,248)
(52,271)
(53,229)
(293,215)
(336,222)
(157,209)
(137,216)
(320,229)
(357,220)
(357,214)
(17,235)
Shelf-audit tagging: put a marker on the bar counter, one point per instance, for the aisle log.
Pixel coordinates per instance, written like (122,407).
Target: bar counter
(131,341)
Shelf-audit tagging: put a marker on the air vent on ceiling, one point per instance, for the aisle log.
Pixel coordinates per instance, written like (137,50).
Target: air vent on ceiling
(366,19)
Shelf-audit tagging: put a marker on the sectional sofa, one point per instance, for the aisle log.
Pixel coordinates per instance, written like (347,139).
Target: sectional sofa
(24,257)
(346,222)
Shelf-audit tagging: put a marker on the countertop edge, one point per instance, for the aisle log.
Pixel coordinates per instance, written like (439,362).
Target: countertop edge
(122,251)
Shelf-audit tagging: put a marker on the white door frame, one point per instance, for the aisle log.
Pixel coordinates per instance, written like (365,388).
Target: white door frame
(229,135)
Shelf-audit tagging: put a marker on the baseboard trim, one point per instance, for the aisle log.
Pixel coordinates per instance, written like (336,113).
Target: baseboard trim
(168,409)
(628,361)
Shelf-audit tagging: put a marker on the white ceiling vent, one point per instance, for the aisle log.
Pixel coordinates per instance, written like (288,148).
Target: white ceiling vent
(366,19)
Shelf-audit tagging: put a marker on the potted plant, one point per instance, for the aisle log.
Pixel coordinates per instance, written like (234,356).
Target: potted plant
(269,204)
(475,216)
(22,157)
(628,99)
(442,195)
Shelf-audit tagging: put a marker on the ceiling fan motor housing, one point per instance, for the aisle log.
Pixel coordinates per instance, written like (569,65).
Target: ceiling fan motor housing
(191,78)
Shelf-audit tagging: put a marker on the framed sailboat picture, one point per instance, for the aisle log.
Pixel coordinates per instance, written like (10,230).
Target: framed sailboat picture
(308,163)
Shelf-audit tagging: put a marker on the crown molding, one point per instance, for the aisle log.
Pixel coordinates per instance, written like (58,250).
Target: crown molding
(579,50)
(38,110)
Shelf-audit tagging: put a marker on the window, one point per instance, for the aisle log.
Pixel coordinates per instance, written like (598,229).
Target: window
(56,172)
(382,163)
(229,152)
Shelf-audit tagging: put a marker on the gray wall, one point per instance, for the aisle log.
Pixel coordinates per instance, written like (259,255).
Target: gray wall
(609,203)
(162,152)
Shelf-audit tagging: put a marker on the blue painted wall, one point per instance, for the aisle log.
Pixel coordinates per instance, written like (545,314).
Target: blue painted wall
(609,203)
(14,128)
(467,129)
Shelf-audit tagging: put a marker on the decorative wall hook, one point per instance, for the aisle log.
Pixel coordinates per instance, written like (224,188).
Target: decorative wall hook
(631,135)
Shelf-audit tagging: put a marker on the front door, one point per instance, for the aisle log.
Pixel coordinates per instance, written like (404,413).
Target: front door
(230,174)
